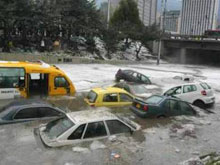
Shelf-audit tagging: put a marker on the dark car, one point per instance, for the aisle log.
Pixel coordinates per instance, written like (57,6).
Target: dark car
(131,76)
(138,90)
(22,111)
(161,106)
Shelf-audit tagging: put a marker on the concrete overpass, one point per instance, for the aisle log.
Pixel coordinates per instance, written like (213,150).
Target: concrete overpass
(191,49)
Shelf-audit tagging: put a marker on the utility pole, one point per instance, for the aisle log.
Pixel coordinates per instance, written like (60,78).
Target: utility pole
(162,14)
(108,16)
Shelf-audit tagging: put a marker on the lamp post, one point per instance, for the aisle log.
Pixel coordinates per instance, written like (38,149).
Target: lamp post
(108,15)
(162,15)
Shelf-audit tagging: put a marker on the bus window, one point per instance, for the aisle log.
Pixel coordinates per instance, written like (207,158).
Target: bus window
(60,82)
(12,77)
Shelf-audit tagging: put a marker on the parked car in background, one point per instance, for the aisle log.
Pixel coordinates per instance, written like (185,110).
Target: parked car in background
(137,90)
(26,110)
(110,97)
(131,76)
(84,126)
(199,94)
(161,106)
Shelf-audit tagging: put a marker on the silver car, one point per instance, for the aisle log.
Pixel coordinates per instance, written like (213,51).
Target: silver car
(82,126)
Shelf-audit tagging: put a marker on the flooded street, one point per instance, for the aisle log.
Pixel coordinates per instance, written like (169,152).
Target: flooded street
(164,141)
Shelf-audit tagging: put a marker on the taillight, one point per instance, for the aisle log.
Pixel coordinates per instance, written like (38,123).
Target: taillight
(203,93)
(145,108)
(92,105)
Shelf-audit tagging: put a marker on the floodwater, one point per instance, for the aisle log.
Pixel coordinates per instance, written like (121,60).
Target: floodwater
(165,141)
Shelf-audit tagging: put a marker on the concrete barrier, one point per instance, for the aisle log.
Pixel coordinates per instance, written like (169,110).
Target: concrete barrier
(59,59)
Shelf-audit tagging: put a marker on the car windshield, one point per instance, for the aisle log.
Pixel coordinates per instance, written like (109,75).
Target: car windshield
(138,89)
(57,127)
(91,96)
(153,100)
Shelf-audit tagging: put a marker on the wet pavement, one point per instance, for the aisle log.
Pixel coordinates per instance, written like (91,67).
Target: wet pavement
(166,141)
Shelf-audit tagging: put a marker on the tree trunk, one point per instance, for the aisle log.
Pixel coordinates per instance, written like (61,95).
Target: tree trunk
(137,53)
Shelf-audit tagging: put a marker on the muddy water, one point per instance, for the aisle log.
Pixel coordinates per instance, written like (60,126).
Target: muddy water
(160,142)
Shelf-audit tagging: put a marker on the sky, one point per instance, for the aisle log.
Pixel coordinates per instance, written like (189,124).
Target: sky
(171,4)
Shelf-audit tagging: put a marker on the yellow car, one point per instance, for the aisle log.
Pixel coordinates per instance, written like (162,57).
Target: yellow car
(110,97)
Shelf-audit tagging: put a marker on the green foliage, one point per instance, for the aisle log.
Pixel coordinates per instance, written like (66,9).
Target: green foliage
(110,38)
(126,20)
(49,19)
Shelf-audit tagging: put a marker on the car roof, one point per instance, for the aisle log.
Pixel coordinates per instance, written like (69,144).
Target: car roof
(167,97)
(89,116)
(109,90)
(27,102)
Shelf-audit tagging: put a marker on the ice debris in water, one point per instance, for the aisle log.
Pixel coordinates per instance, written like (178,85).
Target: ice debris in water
(192,161)
(183,130)
(80,149)
(97,145)
(112,138)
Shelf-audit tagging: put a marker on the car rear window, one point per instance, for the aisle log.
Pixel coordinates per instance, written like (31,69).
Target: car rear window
(153,99)
(91,96)
(205,86)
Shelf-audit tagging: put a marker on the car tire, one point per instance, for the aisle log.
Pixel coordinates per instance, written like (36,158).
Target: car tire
(199,104)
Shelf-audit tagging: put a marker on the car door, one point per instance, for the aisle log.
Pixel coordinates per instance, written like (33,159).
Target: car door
(117,127)
(110,100)
(26,114)
(186,109)
(95,131)
(125,99)
(75,136)
(58,85)
(171,107)
(145,79)
(189,93)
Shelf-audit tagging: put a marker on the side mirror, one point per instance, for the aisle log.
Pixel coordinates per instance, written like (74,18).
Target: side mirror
(131,131)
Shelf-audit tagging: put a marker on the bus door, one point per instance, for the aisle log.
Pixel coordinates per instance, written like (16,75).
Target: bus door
(58,85)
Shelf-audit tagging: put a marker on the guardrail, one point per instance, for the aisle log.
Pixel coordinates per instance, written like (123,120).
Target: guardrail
(191,37)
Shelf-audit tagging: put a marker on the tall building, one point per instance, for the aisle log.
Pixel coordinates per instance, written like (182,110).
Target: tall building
(172,21)
(147,10)
(198,16)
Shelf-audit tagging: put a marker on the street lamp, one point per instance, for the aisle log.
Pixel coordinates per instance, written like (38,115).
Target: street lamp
(108,16)
(162,15)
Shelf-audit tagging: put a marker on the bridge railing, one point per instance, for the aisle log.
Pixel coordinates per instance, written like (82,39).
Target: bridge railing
(191,37)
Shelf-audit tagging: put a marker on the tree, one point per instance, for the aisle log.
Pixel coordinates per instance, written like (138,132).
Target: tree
(110,38)
(126,19)
(144,36)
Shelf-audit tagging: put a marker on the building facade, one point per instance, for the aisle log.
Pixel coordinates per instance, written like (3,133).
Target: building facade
(147,10)
(198,16)
(172,21)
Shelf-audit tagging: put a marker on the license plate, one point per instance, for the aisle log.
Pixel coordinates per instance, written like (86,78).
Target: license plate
(138,106)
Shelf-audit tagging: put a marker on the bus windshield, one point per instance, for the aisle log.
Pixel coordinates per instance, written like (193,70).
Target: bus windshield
(12,77)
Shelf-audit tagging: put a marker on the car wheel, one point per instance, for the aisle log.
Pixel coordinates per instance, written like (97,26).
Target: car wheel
(199,104)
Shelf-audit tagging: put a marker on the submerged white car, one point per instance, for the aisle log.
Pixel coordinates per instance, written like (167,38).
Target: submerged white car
(199,94)
(82,126)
